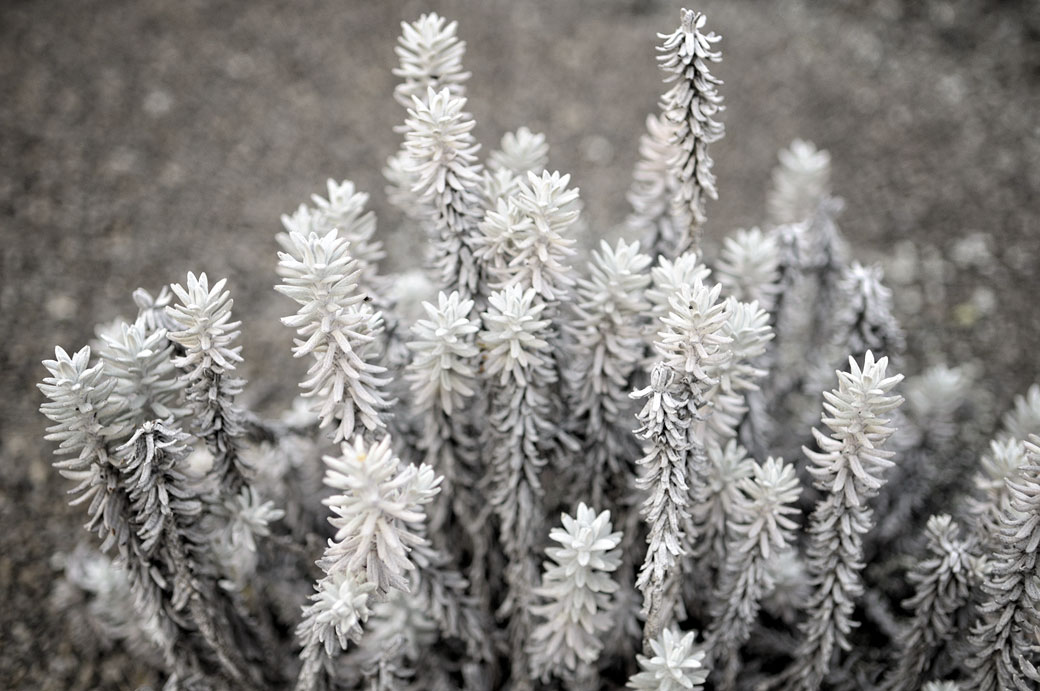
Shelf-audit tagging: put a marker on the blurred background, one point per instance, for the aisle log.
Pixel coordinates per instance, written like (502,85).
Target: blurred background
(142,140)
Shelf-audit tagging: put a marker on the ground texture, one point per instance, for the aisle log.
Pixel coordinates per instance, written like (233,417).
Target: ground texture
(142,140)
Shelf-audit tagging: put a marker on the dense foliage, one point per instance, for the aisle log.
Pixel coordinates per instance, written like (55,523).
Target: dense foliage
(645,424)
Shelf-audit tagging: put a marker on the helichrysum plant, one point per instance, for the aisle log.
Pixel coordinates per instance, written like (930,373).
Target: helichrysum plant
(515,467)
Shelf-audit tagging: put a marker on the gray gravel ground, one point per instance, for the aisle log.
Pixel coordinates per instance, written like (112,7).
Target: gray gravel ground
(141,140)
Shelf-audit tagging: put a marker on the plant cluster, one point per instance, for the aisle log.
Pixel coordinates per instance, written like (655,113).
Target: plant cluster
(559,476)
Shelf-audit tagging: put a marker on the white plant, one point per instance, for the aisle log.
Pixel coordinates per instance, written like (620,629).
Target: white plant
(800,182)
(520,153)
(1004,638)
(146,380)
(675,665)
(443,378)
(207,335)
(749,267)
(760,529)
(669,275)
(654,185)
(337,329)
(690,107)
(664,426)
(343,210)
(507,396)
(849,468)
(431,58)
(377,514)
(444,174)
(609,327)
(576,593)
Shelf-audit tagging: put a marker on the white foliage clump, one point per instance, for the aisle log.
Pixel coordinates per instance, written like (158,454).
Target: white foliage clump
(1004,637)
(800,182)
(336,614)
(760,528)
(669,275)
(207,332)
(933,397)
(749,267)
(690,106)
(942,588)
(431,58)
(664,426)
(377,501)
(1024,418)
(151,311)
(344,211)
(734,372)
(522,439)
(1005,458)
(520,153)
(675,665)
(525,238)
(518,378)
(512,334)
(576,592)
(694,341)
(654,185)
(140,362)
(727,466)
(865,321)
(609,326)
(82,409)
(337,329)
(443,376)
(444,174)
(113,617)
(849,468)
(442,372)
(207,335)
(248,517)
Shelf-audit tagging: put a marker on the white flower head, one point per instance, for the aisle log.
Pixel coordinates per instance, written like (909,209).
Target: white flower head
(653,182)
(321,275)
(1024,418)
(618,279)
(691,105)
(540,248)
(344,211)
(587,544)
(934,395)
(337,327)
(152,310)
(249,517)
(81,407)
